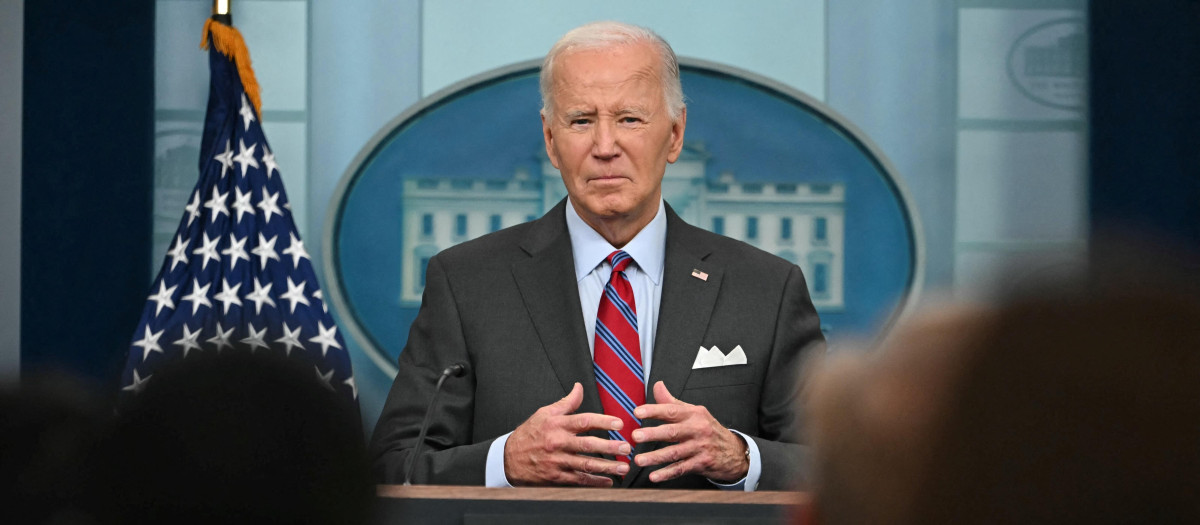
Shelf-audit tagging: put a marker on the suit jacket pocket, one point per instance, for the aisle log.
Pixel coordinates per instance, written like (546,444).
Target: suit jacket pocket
(720,376)
(734,406)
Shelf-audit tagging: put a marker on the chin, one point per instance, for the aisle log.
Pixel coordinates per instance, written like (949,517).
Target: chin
(603,205)
(614,211)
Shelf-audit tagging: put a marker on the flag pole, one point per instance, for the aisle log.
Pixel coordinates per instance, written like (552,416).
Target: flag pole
(227,40)
(222,13)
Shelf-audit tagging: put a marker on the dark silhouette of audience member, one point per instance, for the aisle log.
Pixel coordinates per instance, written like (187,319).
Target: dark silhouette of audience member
(49,429)
(1063,407)
(236,437)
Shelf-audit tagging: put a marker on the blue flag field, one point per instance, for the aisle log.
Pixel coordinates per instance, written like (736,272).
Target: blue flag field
(237,275)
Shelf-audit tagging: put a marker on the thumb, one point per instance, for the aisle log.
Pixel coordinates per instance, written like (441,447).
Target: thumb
(570,403)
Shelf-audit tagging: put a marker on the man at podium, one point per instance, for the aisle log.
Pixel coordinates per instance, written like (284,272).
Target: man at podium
(608,342)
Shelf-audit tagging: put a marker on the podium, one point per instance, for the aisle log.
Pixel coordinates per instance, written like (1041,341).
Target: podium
(438,504)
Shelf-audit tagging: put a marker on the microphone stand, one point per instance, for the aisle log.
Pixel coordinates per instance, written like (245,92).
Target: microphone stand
(455,370)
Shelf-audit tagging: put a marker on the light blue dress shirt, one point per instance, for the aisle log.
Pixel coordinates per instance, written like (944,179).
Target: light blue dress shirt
(592,270)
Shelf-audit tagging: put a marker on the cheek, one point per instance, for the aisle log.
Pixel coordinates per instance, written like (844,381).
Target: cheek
(572,156)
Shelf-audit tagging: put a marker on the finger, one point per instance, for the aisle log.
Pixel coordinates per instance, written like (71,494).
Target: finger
(666,406)
(584,479)
(595,445)
(598,466)
(568,404)
(675,470)
(580,423)
(670,412)
(673,433)
(672,454)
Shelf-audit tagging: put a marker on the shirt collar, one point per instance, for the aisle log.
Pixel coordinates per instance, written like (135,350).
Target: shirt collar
(648,248)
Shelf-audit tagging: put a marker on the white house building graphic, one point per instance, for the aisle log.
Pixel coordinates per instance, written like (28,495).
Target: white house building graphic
(801,222)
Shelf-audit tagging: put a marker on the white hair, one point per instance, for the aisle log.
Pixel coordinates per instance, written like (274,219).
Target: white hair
(601,35)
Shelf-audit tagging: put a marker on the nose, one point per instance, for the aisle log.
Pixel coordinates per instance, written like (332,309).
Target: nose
(604,140)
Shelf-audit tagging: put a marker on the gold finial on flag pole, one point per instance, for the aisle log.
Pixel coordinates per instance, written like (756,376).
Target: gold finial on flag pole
(219,30)
(221,12)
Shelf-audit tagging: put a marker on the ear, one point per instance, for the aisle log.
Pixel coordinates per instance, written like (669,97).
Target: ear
(677,128)
(548,136)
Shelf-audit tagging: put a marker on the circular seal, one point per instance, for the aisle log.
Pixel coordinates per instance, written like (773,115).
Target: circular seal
(1048,63)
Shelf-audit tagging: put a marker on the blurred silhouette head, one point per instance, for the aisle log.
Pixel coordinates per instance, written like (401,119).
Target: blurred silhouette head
(1067,406)
(237,438)
(49,429)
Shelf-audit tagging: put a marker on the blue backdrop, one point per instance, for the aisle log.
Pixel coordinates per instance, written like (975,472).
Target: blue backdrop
(490,128)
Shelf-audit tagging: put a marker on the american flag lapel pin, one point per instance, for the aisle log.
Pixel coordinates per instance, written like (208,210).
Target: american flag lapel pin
(699,275)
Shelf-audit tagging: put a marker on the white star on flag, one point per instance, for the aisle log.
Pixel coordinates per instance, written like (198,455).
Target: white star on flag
(296,250)
(149,343)
(245,156)
(255,341)
(222,338)
(241,204)
(163,297)
(268,159)
(326,338)
(321,297)
(208,251)
(236,250)
(295,294)
(290,338)
(138,383)
(265,250)
(326,378)
(178,252)
(228,294)
(217,203)
(193,208)
(189,340)
(260,295)
(225,158)
(198,297)
(268,205)
(247,112)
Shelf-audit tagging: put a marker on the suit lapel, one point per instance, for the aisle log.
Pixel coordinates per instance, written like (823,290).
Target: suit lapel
(687,305)
(683,315)
(551,296)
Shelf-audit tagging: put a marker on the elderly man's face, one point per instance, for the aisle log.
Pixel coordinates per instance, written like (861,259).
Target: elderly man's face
(610,133)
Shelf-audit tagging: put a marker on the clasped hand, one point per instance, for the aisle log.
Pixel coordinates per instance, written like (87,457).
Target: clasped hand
(548,450)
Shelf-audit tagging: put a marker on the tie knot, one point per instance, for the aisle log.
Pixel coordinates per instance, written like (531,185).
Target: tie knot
(619,260)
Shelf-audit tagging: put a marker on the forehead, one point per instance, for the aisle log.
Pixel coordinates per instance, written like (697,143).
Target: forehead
(625,70)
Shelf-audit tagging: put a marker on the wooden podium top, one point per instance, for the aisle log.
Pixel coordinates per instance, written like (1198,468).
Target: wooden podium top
(451,492)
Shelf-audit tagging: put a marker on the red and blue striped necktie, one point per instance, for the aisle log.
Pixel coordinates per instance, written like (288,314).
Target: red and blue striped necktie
(617,354)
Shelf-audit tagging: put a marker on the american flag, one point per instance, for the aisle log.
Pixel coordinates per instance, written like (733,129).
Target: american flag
(237,274)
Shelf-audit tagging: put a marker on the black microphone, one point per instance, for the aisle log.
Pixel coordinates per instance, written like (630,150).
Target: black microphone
(454,370)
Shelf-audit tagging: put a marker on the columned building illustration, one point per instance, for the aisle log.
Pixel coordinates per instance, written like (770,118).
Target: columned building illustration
(801,222)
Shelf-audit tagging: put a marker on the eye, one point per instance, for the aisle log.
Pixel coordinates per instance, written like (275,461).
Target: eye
(630,120)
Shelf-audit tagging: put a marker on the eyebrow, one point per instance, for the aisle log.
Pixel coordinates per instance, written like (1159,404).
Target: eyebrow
(624,110)
(639,110)
(574,114)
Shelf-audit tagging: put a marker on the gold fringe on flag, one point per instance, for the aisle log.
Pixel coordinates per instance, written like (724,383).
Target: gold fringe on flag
(228,41)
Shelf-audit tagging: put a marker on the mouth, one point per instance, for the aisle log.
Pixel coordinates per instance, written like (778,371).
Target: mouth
(607,177)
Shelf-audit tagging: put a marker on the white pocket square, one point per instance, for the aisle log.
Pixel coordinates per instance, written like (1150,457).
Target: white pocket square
(713,357)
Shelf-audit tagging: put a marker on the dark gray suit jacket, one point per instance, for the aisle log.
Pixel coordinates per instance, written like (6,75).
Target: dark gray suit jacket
(507,304)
